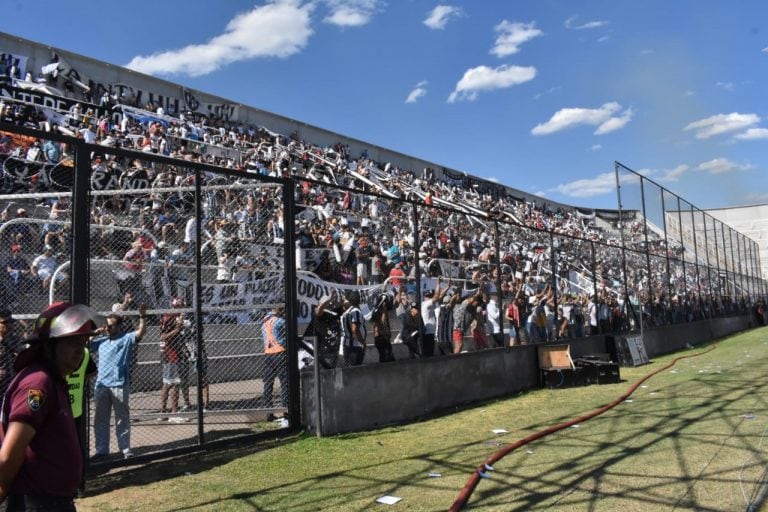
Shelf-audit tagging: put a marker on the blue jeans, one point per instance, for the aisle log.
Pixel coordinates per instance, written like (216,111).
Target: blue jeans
(105,400)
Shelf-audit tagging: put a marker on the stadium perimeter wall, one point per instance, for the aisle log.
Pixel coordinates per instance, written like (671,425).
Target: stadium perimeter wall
(366,397)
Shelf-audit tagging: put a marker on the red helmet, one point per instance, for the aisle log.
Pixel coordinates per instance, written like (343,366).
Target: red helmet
(58,320)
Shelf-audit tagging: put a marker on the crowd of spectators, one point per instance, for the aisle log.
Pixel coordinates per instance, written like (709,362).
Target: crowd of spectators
(556,270)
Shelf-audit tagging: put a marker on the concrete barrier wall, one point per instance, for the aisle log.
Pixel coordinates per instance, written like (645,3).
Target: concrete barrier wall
(372,396)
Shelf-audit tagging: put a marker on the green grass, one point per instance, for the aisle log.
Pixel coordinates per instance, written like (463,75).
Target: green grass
(682,443)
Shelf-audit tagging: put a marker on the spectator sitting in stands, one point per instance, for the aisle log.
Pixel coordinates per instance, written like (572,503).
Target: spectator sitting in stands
(18,271)
(44,266)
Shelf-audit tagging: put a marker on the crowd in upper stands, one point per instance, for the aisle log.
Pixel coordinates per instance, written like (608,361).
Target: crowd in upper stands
(556,265)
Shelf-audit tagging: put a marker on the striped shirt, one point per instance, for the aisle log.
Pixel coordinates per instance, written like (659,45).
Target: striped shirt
(353,315)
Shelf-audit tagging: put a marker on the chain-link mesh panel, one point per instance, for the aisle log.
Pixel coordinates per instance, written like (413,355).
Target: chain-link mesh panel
(576,283)
(139,259)
(243,358)
(611,293)
(35,227)
(654,218)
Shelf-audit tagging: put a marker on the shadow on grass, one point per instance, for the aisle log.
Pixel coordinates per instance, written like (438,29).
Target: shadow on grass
(567,483)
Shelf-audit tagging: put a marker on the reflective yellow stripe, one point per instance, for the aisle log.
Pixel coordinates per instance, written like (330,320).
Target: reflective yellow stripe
(76,386)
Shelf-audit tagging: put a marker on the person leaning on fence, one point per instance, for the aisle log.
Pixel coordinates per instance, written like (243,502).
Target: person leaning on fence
(275,356)
(353,331)
(382,331)
(113,348)
(40,458)
(412,327)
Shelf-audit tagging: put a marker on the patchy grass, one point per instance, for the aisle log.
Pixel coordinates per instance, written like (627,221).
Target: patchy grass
(690,439)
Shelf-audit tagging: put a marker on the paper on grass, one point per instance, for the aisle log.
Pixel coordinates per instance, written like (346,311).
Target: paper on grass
(435,475)
(499,431)
(388,500)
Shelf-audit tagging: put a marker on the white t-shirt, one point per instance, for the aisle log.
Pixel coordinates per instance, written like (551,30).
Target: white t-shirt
(429,316)
(493,317)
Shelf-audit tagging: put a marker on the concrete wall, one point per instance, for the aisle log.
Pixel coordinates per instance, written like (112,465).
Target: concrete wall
(372,396)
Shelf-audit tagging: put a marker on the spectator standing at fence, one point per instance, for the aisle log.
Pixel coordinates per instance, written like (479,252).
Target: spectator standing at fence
(353,331)
(493,321)
(9,345)
(40,458)
(429,306)
(444,334)
(463,314)
(512,316)
(592,313)
(382,331)
(114,349)
(412,329)
(275,356)
(174,341)
(327,328)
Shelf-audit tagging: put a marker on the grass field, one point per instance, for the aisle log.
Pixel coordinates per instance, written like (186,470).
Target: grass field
(691,438)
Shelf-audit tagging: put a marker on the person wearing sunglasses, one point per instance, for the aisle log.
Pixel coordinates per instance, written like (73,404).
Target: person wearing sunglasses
(40,457)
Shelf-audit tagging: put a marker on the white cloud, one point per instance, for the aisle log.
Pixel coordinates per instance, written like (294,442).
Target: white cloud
(601,184)
(277,29)
(615,123)
(438,17)
(722,166)
(483,78)
(675,173)
(728,86)
(419,91)
(688,93)
(603,39)
(540,193)
(512,35)
(757,198)
(596,147)
(647,51)
(351,13)
(722,123)
(570,23)
(555,88)
(765,50)
(604,118)
(753,134)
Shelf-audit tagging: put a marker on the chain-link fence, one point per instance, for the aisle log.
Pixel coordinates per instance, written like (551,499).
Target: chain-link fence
(216,269)
(200,252)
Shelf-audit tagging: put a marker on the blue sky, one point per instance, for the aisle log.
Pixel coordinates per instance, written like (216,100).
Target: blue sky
(540,95)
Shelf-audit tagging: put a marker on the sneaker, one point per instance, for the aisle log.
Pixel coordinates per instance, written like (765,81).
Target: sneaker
(127,454)
(185,408)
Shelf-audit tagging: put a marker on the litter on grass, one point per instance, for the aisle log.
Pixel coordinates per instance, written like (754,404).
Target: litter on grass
(748,416)
(529,451)
(388,500)
(575,425)
(435,475)
(488,468)
(629,400)
(499,431)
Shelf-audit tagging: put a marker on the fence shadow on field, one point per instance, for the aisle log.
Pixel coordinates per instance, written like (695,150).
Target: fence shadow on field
(692,434)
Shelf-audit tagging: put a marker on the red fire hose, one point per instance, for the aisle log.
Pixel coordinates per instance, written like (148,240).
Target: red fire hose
(469,487)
